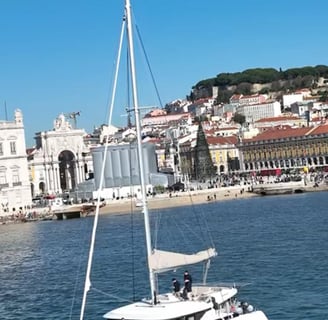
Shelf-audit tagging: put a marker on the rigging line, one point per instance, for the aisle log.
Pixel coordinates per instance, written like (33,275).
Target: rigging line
(132,253)
(132,226)
(81,245)
(202,232)
(151,273)
(158,222)
(111,295)
(149,67)
(208,233)
(181,228)
(201,221)
(203,235)
(148,64)
(129,124)
(128,94)
(87,284)
(182,231)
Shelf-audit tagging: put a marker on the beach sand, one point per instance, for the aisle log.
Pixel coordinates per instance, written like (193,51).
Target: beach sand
(179,199)
(188,198)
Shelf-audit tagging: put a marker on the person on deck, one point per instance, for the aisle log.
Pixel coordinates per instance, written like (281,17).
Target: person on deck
(187,285)
(176,287)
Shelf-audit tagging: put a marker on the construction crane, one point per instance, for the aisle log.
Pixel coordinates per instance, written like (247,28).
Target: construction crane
(143,112)
(73,115)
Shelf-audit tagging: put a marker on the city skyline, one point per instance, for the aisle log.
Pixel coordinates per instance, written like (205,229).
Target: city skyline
(58,57)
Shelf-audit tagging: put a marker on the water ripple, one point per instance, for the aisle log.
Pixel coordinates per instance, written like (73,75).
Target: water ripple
(278,245)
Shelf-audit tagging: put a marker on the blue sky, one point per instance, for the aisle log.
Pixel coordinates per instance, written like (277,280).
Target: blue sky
(58,56)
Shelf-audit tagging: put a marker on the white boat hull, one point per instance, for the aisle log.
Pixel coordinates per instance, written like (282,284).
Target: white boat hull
(279,188)
(207,303)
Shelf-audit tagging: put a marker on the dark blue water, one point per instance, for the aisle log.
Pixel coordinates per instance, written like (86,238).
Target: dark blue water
(278,245)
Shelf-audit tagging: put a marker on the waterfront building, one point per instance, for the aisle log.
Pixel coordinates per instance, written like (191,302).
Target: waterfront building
(167,153)
(121,173)
(254,112)
(289,99)
(164,119)
(105,132)
(286,148)
(186,146)
(252,99)
(226,131)
(235,98)
(240,99)
(283,120)
(60,160)
(224,110)
(319,113)
(224,153)
(177,106)
(15,190)
(301,109)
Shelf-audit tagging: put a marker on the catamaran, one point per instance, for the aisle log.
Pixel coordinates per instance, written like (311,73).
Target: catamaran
(204,302)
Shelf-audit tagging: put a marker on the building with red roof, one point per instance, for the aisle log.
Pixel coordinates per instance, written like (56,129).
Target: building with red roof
(285,147)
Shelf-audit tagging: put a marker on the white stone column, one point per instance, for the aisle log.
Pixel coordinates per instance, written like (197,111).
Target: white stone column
(77,172)
(50,180)
(81,172)
(53,177)
(57,178)
(46,180)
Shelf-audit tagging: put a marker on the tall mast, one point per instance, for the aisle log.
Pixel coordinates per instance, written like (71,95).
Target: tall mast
(139,143)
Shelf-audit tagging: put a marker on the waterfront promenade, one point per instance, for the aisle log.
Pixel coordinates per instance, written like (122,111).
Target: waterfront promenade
(188,198)
(180,198)
(165,200)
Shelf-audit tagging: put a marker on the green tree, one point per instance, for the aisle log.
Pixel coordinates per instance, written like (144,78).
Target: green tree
(244,88)
(289,79)
(323,96)
(239,118)
(223,96)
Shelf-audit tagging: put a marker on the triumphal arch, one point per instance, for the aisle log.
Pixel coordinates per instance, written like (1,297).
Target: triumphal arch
(60,160)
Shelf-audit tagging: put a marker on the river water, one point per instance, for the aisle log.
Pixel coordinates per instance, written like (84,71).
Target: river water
(274,247)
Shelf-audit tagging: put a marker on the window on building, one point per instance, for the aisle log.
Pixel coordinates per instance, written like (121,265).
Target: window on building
(3,179)
(1,149)
(13,147)
(15,176)
(18,196)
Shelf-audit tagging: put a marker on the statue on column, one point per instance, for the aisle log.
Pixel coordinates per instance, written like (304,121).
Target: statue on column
(61,124)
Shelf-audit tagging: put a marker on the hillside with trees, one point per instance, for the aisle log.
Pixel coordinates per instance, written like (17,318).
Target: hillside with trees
(262,80)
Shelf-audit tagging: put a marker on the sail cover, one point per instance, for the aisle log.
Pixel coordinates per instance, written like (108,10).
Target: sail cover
(162,261)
